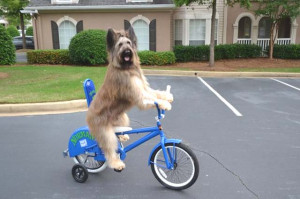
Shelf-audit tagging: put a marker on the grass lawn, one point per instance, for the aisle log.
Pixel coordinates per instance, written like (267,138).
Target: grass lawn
(285,70)
(28,84)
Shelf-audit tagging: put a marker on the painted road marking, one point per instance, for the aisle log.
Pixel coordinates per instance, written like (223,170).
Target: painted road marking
(234,110)
(285,84)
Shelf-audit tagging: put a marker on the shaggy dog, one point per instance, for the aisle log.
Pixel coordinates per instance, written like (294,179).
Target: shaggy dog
(124,86)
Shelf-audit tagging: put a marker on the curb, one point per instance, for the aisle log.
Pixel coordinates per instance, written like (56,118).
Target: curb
(43,108)
(218,74)
(80,105)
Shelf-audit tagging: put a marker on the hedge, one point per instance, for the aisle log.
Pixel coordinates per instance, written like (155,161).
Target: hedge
(156,58)
(225,51)
(287,51)
(48,57)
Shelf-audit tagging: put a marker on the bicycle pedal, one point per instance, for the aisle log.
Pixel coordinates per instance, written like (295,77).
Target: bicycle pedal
(119,171)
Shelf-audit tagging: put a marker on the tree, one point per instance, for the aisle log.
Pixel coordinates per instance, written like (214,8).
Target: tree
(29,31)
(11,9)
(12,31)
(277,11)
(213,5)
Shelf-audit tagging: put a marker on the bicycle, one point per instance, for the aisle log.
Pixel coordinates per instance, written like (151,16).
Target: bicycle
(172,163)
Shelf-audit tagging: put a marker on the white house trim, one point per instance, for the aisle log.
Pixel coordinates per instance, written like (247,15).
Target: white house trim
(66,18)
(140,17)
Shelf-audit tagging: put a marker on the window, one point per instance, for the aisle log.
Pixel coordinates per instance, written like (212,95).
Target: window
(284,30)
(244,28)
(264,28)
(141,29)
(66,31)
(178,32)
(197,32)
(216,32)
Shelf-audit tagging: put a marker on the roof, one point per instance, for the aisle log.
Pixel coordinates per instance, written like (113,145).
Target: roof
(99,4)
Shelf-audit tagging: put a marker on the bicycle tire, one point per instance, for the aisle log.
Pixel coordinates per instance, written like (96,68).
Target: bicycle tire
(185,159)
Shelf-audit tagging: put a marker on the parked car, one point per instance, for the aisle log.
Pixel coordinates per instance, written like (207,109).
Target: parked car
(19,43)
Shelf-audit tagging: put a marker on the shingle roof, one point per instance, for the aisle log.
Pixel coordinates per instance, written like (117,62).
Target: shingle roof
(37,3)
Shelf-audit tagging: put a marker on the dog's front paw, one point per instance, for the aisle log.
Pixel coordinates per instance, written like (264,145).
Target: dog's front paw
(169,97)
(165,105)
(124,138)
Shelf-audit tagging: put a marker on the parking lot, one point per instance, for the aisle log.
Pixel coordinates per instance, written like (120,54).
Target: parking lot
(245,132)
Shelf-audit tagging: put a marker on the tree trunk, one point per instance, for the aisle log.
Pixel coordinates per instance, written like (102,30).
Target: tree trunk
(212,34)
(22,29)
(272,41)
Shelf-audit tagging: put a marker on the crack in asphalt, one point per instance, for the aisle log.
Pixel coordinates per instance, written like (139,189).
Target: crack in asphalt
(214,158)
(227,169)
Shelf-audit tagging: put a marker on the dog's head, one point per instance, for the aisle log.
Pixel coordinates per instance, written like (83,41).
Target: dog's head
(122,48)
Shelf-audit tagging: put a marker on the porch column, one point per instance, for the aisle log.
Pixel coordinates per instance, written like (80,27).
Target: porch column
(254,35)
(294,31)
(235,33)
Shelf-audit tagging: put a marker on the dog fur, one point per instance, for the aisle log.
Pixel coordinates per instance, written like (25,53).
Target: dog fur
(124,86)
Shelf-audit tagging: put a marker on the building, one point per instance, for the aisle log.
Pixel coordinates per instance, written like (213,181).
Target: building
(158,24)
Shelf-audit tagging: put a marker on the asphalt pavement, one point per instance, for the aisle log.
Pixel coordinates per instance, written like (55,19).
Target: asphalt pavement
(252,155)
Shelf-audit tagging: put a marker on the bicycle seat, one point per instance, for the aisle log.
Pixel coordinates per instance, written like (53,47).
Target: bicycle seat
(121,129)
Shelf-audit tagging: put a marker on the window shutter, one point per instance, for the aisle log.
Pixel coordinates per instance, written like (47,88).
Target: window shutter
(152,35)
(126,24)
(79,26)
(55,36)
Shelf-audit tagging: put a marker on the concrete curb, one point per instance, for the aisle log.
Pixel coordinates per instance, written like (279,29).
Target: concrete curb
(43,108)
(80,105)
(218,74)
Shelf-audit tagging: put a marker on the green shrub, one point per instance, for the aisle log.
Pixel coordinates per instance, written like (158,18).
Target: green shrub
(287,51)
(226,51)
(48,57)
(156,58)
(29,31)
(89,48)
(13,31)
(7,48)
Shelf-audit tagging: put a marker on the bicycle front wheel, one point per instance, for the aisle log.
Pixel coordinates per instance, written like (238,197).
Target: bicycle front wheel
(185,166)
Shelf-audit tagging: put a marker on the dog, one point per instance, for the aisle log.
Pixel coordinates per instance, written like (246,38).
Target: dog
(124,86)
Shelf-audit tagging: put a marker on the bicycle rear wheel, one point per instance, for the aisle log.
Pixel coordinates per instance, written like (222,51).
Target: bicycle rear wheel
(186,166)
(92,165)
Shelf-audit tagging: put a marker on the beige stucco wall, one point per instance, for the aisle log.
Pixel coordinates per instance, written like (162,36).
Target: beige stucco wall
(105,20)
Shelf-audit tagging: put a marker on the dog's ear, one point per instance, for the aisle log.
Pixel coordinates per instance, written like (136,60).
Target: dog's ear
(110,39)
(131,36)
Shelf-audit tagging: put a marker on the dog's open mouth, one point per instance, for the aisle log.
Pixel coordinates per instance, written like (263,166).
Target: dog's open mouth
(127,56)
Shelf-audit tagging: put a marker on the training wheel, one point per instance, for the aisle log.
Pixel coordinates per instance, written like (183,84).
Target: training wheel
(79,173)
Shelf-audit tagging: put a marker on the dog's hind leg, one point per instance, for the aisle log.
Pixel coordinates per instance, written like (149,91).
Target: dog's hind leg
(123,120)
(109,144)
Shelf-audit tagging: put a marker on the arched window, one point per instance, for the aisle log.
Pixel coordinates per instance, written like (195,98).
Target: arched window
(141,29)
(66,31)
(264,28)
(284,30)
(244,28)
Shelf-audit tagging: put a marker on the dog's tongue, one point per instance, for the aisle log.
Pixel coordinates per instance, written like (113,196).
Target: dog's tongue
(127,58)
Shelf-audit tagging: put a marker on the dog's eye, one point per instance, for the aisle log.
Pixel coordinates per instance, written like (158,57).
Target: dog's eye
(120,44)
(128,42)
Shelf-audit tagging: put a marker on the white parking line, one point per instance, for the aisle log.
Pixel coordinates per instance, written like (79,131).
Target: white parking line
(236,112)
(285,84)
